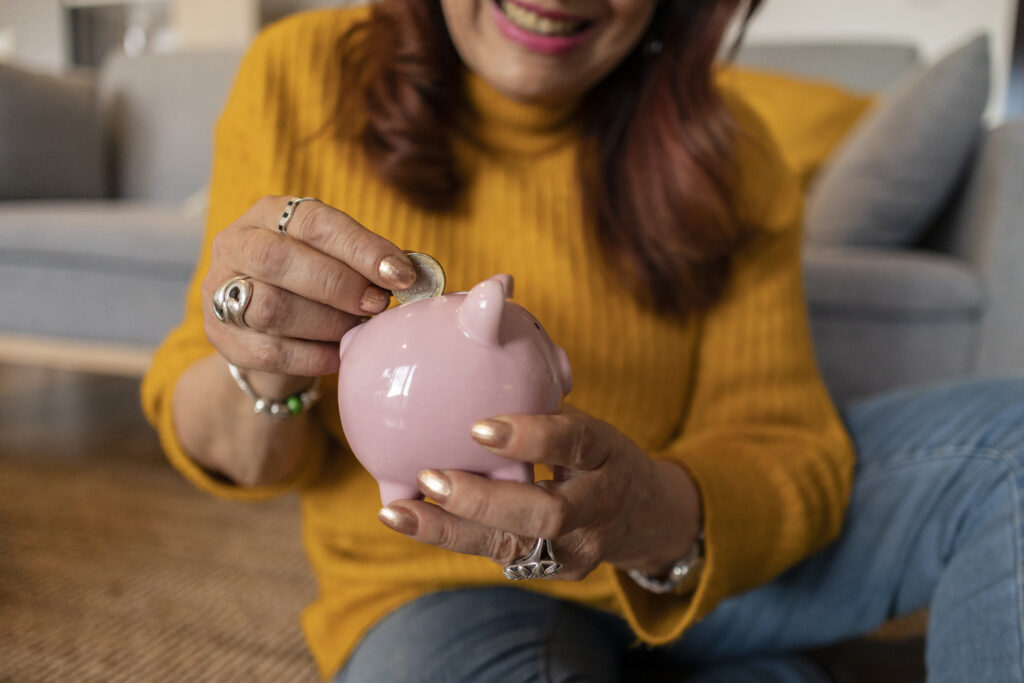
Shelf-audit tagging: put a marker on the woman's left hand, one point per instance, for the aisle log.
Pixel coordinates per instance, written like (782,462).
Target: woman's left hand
(609,500)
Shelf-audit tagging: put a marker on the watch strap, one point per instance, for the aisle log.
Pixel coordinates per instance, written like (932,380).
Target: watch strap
(683,576)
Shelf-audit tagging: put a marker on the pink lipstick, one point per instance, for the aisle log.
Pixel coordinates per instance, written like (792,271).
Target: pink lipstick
(539,40)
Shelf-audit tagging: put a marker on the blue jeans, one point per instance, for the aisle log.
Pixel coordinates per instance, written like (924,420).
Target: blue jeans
(935,519)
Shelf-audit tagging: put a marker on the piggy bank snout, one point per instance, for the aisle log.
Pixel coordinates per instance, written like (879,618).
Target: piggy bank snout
(564,369)
(347,339)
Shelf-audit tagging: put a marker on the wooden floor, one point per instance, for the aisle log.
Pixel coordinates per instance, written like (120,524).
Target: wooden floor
(113,568)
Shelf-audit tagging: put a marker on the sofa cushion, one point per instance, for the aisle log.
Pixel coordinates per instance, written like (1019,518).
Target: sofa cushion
(807,118)
(160,112)
(896,170)
(51,140)
(105,271)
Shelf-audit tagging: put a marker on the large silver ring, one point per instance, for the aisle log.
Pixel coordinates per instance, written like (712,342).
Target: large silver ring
(289,211)
(539,564)
(231,299)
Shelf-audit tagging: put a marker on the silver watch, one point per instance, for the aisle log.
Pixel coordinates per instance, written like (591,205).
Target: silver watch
(682,578)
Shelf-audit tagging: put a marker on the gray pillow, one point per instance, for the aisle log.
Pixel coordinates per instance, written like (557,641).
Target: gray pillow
(895,171)
(51,137)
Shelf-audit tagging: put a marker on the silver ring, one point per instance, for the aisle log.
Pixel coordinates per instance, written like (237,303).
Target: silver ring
(231,299)
(289,211)
(539,564)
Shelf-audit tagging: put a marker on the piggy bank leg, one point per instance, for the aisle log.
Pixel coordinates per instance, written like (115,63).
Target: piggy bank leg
(516,471)
(390,491)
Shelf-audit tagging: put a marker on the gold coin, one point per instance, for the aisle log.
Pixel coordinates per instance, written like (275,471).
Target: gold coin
(429,279)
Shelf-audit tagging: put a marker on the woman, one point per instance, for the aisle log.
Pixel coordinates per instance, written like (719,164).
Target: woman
(582,146)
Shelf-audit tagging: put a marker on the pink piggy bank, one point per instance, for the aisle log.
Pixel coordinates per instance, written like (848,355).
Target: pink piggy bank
(415,378)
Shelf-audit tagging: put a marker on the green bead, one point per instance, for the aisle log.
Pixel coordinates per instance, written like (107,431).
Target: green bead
(294,404)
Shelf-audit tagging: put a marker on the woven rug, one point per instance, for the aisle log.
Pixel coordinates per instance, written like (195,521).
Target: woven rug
(113,568)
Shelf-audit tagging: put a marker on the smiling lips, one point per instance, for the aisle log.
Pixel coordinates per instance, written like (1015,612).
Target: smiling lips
(540,30)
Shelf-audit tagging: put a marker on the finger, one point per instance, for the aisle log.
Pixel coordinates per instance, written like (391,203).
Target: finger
(524,509)
(431,524)
(257,351)
(281,313)
(573,441)
(338,235)
(298,268)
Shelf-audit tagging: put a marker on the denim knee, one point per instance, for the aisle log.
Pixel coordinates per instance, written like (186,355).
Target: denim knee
(488,634)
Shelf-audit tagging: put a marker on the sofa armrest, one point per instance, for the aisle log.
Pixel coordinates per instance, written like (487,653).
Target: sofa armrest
(51,137)
(987,230)
(886,318)
(876,282)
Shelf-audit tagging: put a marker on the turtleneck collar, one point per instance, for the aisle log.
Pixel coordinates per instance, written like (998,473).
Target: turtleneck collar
(509,126)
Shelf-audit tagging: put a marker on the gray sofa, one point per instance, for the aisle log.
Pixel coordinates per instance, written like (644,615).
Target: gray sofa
(86,274)
(85,278)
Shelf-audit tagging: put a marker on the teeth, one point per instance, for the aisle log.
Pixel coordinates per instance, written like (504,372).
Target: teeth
(535,23)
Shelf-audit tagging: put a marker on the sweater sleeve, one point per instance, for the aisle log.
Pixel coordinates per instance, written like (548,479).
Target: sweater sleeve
(770,456)
(243,152)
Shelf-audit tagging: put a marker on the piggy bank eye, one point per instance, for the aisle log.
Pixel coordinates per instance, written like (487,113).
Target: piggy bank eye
(537,325)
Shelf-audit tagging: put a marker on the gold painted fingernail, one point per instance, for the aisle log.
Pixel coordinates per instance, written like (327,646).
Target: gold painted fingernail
(397,272)
(373,300)
(399,519)
(437,484)
(493,433)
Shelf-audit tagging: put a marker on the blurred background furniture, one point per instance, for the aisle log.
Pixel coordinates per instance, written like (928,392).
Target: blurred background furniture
(95,279)
(92,273)
(894,304)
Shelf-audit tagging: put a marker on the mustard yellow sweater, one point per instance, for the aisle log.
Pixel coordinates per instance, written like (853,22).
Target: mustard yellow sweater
(733,395)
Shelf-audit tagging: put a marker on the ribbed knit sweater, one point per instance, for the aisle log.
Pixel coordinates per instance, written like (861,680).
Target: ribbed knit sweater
(733,395)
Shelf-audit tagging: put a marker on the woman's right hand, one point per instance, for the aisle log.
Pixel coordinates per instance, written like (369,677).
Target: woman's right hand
(308,288)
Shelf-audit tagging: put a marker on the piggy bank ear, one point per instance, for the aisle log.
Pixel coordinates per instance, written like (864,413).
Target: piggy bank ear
(481,312)
(507,283)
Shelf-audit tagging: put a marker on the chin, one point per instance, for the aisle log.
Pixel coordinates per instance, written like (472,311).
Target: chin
(531,88)
(529,95)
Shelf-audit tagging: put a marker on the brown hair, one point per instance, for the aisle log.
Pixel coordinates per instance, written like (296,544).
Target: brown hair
(657,168)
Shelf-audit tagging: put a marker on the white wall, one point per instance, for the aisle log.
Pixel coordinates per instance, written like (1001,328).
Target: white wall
(935,26)
(279,7)
(200,24)
(35,33)
(7,43)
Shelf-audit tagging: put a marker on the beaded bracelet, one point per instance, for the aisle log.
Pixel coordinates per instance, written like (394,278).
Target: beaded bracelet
(288,406)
